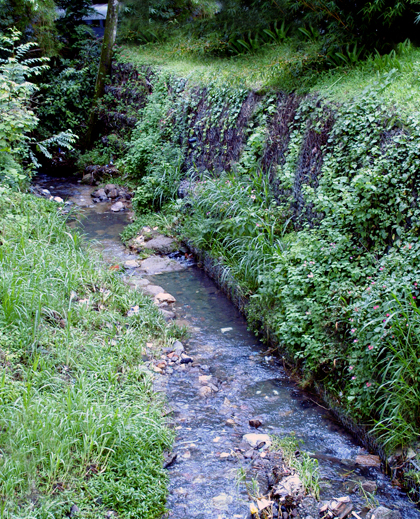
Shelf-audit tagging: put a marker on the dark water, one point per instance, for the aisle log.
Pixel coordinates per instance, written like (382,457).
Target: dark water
(203,479)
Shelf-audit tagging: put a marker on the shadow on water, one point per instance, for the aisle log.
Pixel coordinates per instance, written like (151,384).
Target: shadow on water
(203,479)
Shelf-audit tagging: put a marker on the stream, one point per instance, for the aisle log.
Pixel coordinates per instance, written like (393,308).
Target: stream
(248,383)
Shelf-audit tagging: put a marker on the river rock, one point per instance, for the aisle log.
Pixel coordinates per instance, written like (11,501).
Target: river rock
(289,487)
(131,264)
(205,391)
(255,422)
(58,199)
(164,297)
(204,379)
(153,290)
(369,486)
(178,348)
(161,244)
(222,501)
(167,314)
(383,513)
(118,206)
(254,439)
(156,265)
(111,190)
(368,460)
(99,195)
(340,507)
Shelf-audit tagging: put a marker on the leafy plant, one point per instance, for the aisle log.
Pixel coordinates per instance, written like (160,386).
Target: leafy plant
(18,120)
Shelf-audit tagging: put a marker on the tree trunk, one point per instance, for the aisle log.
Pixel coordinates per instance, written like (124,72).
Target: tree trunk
(104,64)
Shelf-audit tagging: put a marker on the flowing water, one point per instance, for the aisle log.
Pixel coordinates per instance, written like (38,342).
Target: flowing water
(250,383)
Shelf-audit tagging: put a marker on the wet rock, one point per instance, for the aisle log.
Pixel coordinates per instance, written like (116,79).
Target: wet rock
(383,513)
(204,391)
(131,264)
(340,507)
(369,486)
(153,290)
(255,422)
(118,206)
(289,487)
(164,297)
(169,459)
(249,454)
(222,501)
(187,360)
(111,190)
(99,195)
(178,347)
(161,244)
(254,439)
(368,460)
(156,265)
(167,314)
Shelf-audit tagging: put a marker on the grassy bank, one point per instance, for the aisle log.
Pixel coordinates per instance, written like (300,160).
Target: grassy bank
(80,424)
(287,67)
(317,218)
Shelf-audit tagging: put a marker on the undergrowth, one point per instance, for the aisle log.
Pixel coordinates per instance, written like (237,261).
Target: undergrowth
(80,424)
(322,237)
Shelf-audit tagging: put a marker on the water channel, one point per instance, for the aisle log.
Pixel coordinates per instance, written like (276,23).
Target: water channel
(250,383)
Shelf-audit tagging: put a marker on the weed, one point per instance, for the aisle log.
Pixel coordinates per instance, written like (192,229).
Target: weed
(77,407)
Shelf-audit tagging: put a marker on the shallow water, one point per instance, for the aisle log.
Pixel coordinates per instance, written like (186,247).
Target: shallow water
(203,479)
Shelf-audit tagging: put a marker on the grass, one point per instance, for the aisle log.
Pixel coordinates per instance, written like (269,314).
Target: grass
(79,421)
(281,67)
(305,466)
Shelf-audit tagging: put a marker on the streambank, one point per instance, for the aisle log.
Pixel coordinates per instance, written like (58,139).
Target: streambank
(313,206)
(78,409)
(398,465)
(225,394)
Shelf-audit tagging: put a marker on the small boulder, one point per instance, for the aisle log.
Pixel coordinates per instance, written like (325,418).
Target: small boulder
(99,194)
(118,206)
(383,513)
(205,391)
(164,297)
(340,507)
(289,487)
(254,439)
(131,264)
(255,422)
(178,347)
(167,314)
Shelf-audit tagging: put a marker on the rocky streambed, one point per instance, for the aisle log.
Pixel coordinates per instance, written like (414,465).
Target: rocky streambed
(232,404)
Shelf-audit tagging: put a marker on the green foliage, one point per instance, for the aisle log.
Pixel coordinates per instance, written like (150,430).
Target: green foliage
(34,19)
(317,288)
(17,118)
(66,89)
(305,466)
(152,155)
(78,410)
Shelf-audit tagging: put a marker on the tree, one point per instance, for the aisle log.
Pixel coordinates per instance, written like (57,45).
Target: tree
(104,63)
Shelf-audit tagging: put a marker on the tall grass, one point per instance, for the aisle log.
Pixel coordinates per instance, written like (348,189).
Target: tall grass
(79,422)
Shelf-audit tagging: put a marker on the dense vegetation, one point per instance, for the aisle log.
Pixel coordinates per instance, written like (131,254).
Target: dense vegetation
(320,229)
(293,128)
(80,424)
